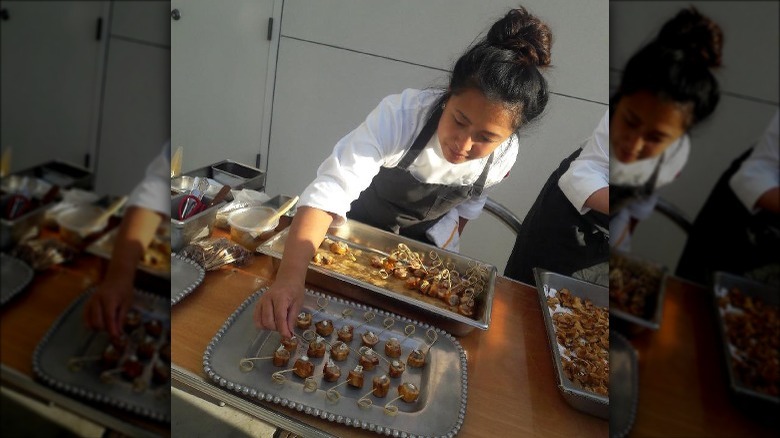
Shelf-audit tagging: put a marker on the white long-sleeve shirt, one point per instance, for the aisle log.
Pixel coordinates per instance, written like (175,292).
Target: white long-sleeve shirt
(761,170)
(153,190)
(382,140)
(590,171)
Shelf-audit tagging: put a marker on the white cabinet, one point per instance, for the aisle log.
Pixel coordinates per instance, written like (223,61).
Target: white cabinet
(50,75)
(219,66)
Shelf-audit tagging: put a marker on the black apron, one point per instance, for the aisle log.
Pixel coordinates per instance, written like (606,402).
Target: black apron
(398,202)
(726,237)
(622,195)
(556,237)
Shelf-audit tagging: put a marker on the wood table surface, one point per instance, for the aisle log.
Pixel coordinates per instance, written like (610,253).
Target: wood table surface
(511,385)
(27,317)
(683,386)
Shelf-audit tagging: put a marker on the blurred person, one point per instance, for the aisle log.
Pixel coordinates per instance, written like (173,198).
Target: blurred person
(147,206)
(567,228)
(666,89)
(738,228)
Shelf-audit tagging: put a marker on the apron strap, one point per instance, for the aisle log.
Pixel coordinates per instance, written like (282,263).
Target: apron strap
(479,185)
(422,139)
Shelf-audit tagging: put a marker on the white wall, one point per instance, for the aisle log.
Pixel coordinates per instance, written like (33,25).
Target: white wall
(749,83)
(337,59)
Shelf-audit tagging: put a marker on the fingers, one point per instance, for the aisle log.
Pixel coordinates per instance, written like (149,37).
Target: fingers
(280,313)
(95,314)
(109,318)
(292,313)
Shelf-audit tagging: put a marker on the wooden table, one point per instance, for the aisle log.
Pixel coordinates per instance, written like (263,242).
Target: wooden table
(26,318)
(511,386)
(683,388)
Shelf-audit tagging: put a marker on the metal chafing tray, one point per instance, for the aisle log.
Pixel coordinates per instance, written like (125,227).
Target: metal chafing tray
(630,324)
(69,337)
(439,410)
(16,275)
(61,173)
(368,240)
(186,276)
(238,176)
(546,281)
(758,402)
(623,385)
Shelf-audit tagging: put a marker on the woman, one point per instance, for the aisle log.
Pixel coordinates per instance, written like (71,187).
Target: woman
(665,90)
(421,157)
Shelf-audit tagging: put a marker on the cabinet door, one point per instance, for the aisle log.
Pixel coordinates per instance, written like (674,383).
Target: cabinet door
(219,63)
(50,80)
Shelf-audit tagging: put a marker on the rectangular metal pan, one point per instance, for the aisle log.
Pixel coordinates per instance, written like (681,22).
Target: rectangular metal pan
(238,176)
(623,385)
(353,284)
(183,232)
(442,381)
(546,281)
(630,324)
(104,247)
(60,173)
(759,402)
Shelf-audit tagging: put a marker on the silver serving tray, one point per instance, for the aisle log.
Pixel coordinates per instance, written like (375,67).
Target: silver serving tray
(723,282)
(623,385)
(104,247)
(69,337)
(577,397)
(368,238)
(186,276)
(631,324)
(439,410)
(16,275)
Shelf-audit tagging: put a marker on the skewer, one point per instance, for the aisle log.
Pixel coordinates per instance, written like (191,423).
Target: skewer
(279,377)
(246,364)
(75,364)
(334,395)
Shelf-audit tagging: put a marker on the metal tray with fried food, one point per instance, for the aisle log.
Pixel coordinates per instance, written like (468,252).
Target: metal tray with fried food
(427,362)
(156,259)
(547,283)
(636,293)
(352,274)
(749,325)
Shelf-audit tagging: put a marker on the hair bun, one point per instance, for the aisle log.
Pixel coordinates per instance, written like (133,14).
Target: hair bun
(524,34)
(694,34)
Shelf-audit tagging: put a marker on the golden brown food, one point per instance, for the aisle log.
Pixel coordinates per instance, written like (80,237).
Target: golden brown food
(324,328)
(110,357)
(355,377)
(408,392)
(132,368)
(331,372)
(303,321)
(154,328)
(633,286)
(303,367)
(339,248)
(281,357)
(132,320)
(345,333)
(397,368)
(316,348)
(369,360)
(339,351)
(381,385)
(416,359)
(290,344)
(393,348)
(146,349)
(370,339)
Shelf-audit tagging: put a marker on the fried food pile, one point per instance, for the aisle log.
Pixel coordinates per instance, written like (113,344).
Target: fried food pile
(582,330)
(632,286)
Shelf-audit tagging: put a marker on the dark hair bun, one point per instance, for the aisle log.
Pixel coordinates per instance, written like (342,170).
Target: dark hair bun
(524,34)
(694,34)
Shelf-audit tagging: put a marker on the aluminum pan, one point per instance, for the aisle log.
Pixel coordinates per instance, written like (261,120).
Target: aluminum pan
(439,410)
(16,275)
(104,246)
(623,385)
(69,337)
(366,236)
(633,324)
(580,399)
(723,282)
(186,276)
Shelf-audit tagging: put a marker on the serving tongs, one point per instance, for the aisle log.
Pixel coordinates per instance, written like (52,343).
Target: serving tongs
(192,203)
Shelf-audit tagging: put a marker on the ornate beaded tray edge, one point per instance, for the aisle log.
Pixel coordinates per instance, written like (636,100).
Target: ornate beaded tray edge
(29,273)
(194,285)
(321,413)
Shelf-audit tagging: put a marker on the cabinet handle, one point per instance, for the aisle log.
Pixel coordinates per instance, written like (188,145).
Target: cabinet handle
(176,14)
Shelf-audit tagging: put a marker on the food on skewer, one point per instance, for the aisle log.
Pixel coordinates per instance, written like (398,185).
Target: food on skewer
(331,372)
(393,348)
(119,342)
(303,367)
(303,321)
(146,349)
(339,248)
(281,357)
(132,368)
(316,348)
(397,368)
(132,320)
(369,360)
(153,328)
(381,385)
(355,377)
(370,339)
(110,358)
(290,344)
(416,359)
(408,392)
(324,328)
(345,333)
(339,351)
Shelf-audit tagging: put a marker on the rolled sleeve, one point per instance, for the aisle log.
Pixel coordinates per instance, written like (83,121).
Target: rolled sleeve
(153,191)
(590,171)
(760,172)
(472,207)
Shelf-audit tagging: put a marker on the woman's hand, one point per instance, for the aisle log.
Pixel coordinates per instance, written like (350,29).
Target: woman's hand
(106,307)
(278,307)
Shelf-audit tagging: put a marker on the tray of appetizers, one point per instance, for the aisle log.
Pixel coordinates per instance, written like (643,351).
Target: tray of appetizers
(130,372)
(577,322)
(748,316)
(16,275)
(636,293)
(347,363)
(186,276)
(453,291)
